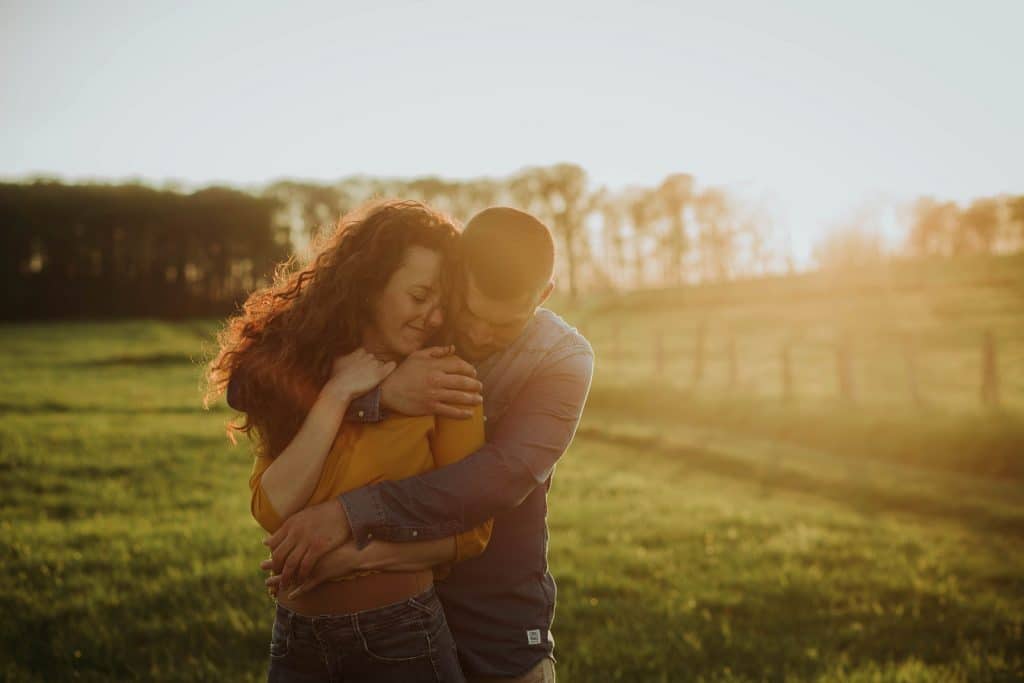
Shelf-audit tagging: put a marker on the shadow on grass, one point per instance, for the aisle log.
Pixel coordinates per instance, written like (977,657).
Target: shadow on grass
(858,494)
(774,633)
(150,360)
(58,407)
(205,628)
(980,444)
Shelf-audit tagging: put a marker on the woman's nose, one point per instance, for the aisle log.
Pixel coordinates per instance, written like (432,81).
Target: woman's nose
(435,318)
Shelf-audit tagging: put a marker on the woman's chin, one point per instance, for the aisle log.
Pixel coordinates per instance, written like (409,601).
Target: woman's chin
(408,346)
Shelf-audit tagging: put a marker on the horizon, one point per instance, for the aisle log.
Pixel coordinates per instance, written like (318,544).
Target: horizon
(812,115)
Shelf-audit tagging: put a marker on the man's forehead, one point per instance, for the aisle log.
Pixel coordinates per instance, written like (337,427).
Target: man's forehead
(497,311)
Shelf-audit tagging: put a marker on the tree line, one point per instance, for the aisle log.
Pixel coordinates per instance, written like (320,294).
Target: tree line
(672,233)
(128,250)
(131,250)
(986,225)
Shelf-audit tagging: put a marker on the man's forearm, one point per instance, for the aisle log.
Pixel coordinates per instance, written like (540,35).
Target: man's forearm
(518,458)
(406,557)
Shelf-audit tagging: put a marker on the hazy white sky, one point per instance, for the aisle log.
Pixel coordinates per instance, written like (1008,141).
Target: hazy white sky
(812,108)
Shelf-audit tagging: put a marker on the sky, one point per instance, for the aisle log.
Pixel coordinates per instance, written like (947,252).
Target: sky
(809,111)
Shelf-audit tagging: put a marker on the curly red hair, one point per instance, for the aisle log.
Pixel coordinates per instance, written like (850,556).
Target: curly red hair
(281,348)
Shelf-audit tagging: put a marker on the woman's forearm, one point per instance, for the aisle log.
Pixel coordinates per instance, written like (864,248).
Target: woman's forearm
(405,557)
(291,479)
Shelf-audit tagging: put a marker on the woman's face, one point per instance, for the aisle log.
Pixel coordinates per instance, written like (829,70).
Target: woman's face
(408,310)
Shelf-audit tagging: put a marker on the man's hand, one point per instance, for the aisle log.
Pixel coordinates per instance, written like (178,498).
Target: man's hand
(305,537)
(338,562)
(433,381)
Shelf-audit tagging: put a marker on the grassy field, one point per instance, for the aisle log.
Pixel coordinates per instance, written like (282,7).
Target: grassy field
(698,532)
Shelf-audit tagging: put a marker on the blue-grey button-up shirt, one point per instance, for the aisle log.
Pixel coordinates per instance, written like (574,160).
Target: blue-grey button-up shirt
(499,605)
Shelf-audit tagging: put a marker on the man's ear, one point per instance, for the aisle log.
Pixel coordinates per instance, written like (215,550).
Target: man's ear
(548,289)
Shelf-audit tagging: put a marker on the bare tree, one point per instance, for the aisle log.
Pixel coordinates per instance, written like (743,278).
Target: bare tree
(674,197)
(717,235)
(934,226)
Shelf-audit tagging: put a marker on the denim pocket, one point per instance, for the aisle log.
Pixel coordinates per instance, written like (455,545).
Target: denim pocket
(280,636)
(397,640)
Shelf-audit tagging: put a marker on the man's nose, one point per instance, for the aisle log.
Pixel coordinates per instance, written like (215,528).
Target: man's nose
(480,335)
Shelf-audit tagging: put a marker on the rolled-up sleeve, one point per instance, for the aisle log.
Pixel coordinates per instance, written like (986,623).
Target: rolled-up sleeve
(533,434)
(365,408)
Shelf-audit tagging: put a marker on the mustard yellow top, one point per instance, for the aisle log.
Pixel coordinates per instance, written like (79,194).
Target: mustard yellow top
(394,448)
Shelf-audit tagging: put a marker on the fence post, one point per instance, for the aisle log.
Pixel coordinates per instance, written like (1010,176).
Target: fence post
(843,370)
(787,372)
(698,353)
(989,371)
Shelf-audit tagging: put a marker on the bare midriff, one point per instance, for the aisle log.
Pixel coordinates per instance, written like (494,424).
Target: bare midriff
(360,593)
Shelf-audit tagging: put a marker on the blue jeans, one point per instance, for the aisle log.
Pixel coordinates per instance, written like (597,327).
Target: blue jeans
(408,641)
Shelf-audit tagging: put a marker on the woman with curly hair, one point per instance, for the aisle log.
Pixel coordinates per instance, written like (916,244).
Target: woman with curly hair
(299,353)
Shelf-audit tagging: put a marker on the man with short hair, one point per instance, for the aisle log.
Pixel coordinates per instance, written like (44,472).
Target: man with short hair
(535,372)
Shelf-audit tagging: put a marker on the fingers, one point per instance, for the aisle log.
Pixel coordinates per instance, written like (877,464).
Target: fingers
(435,351)
(275,538)
(455,365)
(282,553)
(294,560)
(445,410)
(267,564)
(273,581)
(307,586)
(305,569)
(460,398)
(460,383)
(385,369)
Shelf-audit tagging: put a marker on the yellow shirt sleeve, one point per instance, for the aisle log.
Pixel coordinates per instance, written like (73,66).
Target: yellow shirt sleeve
(262,510)
(451,441)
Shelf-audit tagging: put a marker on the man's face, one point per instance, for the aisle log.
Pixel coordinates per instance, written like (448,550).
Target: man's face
(484,326)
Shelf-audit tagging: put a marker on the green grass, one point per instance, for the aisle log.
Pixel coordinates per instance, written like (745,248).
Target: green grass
(696,533)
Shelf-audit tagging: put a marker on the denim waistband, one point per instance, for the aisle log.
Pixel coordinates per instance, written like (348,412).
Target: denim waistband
(421,604)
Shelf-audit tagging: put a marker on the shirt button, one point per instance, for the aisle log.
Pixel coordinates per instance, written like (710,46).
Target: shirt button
(415,533)
(485,418)
(360,413)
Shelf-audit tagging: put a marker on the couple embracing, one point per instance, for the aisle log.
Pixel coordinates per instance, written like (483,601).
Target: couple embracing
(409,399)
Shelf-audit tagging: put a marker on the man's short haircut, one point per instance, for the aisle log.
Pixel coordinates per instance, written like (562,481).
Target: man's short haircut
(509,252)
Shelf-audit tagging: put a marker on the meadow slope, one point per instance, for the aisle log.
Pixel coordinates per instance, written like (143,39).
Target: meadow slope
(698,533)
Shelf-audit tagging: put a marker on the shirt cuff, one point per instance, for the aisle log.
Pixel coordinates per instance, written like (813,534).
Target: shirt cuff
(365,512)
(365,408)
